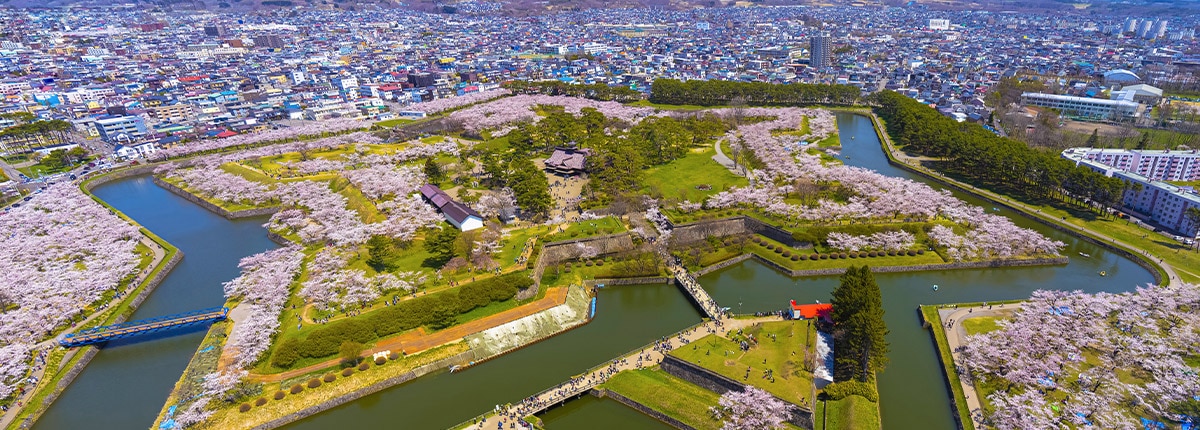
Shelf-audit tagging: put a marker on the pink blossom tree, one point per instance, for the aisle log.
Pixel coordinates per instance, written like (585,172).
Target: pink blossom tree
(752,409)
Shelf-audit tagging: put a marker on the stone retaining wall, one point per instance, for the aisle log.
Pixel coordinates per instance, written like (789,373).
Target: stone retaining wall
(365,391)
(1014,262)
(245,213)
(628,281)
(700,230)
(602,393)
(722,265)
(942,366)
(278,239)
(104,178)
(554,252)
(800,416)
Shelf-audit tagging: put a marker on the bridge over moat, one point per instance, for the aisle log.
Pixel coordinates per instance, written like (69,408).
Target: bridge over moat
(143,327)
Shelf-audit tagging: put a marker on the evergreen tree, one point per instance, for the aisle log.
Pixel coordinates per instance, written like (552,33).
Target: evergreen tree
(860,347)
(382,251)
(441,243)
(434,171)
(530,187)
(1094,139)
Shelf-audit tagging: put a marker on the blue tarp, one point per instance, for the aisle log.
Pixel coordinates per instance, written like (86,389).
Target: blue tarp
(1153,425)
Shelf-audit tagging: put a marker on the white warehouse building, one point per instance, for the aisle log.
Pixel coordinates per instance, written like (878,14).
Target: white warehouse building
(1085,107)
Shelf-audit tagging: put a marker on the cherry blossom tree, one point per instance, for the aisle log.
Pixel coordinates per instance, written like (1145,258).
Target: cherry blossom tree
(448,103)
(1076,344)
(61,252)
(264,288)
(752,409)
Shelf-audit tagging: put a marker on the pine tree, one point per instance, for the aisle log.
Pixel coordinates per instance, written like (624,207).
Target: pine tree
(1094,139)
(860,347)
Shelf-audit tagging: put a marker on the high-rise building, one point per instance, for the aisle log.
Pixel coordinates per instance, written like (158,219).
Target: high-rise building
(1130,25)
(820,50)
(1160,30)
(215,30)
(1144,27)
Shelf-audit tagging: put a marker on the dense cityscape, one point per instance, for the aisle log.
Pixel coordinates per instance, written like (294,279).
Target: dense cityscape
(566,214)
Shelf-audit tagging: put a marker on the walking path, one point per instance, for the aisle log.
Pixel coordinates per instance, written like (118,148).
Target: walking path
(956,337)
(914,162)
(693,288)
(724,160)
(45,346)
(646,356)
(418,340)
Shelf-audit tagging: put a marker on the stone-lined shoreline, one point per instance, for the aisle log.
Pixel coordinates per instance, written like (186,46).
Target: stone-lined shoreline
(244,213)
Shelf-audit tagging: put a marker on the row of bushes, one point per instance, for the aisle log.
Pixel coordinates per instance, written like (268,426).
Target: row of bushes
(317,382)
(436,310)
(787,253)
(819,234)
(842,389)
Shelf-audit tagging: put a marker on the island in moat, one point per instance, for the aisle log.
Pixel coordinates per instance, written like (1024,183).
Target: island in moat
(406,252)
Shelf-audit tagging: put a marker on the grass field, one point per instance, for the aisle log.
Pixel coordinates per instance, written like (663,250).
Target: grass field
(595,227)
(679,179)
(783,354)
(979,325)
(927,258)
(851,413)
(646,103)
(393,122)
(686,402)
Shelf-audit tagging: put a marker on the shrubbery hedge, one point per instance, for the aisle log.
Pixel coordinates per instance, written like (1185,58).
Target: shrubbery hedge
(437,310)
(839,390)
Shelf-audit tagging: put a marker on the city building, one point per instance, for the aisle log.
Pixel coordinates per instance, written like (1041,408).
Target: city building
(1158,165)
(125,128)
(1084,107)
(215,31)
(1141,93)
(820,50)
(939,24)
(270,41)
(1160,29)
(1165,204)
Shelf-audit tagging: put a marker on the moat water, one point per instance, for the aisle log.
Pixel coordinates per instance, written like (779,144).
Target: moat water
(125,385)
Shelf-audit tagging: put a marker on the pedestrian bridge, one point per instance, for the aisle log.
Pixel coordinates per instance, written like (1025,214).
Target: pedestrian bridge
(131,329)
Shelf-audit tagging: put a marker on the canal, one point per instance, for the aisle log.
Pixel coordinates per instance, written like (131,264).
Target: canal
(124,387)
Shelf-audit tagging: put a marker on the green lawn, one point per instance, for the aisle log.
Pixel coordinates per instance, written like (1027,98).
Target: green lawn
(679,179)
(356,201)
(784,356)
(646,103)
(393,122)
(686,402)
(851,413)
(247,173)
(36,170)
(762,251)
(587,228)
(979,325)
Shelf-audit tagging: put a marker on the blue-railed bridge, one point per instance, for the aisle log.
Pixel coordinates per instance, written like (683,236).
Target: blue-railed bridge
(137,328)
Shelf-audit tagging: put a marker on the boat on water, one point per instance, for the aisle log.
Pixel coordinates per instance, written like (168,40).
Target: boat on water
(1103,273)
(935,287)
(1084,255)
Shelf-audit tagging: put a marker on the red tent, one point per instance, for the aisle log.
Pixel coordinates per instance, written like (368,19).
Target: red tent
(822,310)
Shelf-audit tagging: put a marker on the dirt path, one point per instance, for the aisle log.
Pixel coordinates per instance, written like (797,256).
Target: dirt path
(418,340)
(956,336)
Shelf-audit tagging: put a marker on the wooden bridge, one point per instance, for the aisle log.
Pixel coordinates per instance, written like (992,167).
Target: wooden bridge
(143,327)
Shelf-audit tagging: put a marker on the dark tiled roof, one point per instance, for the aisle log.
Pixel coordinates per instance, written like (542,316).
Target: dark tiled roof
(459,212)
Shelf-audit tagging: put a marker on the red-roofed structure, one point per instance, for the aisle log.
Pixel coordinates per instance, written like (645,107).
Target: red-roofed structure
(225,134)
(815,310)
